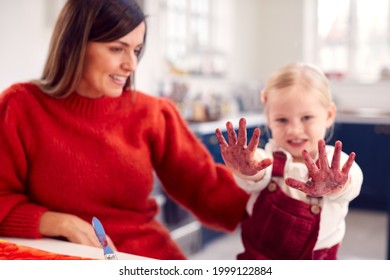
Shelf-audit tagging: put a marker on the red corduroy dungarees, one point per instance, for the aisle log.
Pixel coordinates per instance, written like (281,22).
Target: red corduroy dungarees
(281,227)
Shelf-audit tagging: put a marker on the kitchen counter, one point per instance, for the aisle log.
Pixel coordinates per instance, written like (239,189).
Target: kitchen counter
(252,120)
(344,115)
(363,116)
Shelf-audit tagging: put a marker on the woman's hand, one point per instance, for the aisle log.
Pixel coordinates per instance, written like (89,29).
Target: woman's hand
(74,229)
(324,179)
(239,156)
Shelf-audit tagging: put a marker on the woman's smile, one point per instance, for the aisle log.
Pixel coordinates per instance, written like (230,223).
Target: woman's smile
(119,80)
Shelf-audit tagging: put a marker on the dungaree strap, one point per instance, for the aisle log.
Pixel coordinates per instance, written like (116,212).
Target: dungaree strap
(278,164)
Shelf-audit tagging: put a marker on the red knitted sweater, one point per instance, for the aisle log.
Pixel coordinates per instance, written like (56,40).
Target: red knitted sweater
(95,157)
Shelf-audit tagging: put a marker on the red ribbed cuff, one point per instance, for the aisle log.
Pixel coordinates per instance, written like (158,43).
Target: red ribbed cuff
(23,221)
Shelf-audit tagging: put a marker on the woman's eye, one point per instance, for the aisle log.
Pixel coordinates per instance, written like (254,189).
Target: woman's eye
(116,49)
(137,52)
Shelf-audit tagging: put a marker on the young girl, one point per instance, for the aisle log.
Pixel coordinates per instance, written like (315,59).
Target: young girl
(298,200)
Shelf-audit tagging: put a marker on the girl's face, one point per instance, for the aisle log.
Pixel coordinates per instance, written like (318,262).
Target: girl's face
(108,65)
(298,119)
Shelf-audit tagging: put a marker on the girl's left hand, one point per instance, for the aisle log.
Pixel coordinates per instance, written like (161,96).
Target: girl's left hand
(323,179)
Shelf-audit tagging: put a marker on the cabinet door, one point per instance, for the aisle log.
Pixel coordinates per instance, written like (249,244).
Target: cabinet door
(211,142)
(371,145)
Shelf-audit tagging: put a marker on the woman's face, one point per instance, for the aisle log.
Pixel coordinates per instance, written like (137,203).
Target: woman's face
(108,65)
(298,120)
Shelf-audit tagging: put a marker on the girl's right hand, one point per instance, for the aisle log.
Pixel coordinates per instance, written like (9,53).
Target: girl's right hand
(237,155)
(74,229)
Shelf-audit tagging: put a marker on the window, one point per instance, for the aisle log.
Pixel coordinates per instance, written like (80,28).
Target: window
(189,28)
(354,38)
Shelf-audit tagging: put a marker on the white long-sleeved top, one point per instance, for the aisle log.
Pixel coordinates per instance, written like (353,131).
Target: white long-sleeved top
(334,207)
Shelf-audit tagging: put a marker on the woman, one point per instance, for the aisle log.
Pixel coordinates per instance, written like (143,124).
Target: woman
(81,142)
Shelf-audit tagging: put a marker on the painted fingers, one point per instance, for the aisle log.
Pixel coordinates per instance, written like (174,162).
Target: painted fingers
(324,178)
(237,153)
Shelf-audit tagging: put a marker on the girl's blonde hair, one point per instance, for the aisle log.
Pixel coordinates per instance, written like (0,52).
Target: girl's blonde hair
(302,74)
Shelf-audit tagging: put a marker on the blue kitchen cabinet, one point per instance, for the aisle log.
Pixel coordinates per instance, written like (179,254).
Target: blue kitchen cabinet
(371,144)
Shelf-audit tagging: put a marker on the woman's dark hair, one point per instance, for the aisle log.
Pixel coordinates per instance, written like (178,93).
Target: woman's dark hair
(79,22)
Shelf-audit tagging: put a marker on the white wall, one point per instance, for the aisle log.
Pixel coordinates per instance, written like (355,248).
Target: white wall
(151,67)
(25,29)
(269,34)
(349,95)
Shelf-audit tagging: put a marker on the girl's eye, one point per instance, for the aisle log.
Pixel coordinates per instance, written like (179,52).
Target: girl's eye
(281,120)
(307,118)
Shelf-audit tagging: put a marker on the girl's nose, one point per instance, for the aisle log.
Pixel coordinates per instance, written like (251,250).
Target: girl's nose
(295,128)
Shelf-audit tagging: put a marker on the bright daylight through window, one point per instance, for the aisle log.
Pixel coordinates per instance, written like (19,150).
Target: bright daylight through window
(354,39)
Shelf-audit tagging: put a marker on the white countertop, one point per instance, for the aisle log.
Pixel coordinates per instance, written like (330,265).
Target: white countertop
(252,119)
(258,119)
(68,248)
(363,119)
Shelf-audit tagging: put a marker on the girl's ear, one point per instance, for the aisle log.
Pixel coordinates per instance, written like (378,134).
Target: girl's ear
(263,97)
(331,115)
